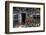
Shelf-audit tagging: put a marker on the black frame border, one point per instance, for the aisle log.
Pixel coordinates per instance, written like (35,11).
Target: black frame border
(7,16)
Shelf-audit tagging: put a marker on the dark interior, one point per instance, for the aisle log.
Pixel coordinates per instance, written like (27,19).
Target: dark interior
(36,16)
(23,17)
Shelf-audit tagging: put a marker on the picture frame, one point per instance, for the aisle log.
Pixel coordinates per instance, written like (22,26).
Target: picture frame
(12,27)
